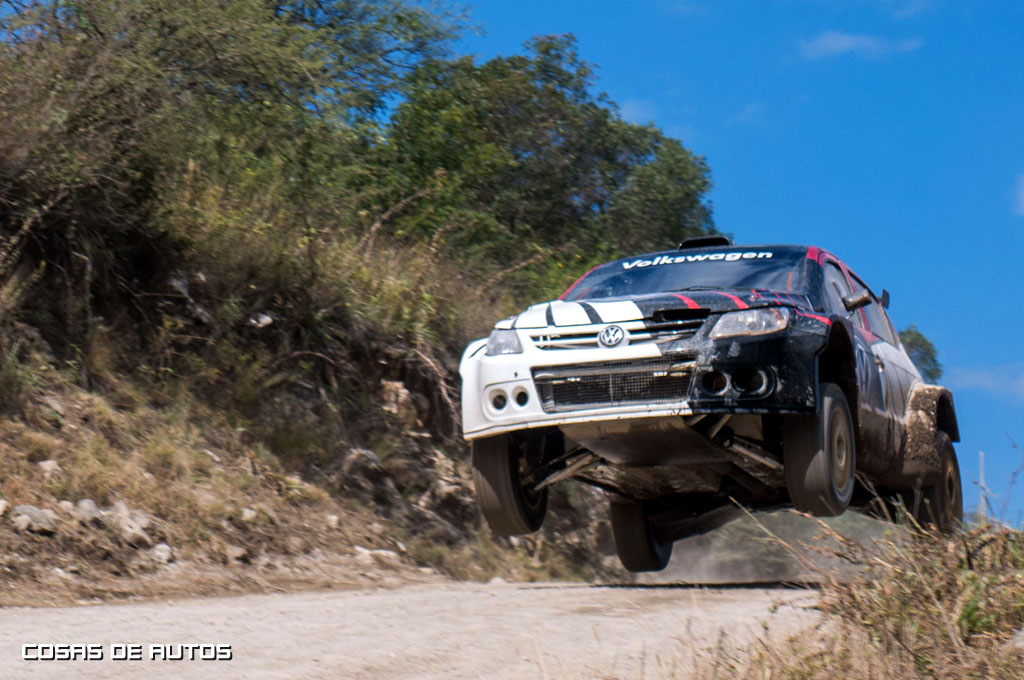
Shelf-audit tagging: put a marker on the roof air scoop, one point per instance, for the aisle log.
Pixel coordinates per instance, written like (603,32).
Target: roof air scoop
(705,241)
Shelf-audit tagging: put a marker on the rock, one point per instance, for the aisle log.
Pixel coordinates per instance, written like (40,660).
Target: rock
(3,507)
(67,507)
(387,558)
(497,581)
(364,476)
(234,553)
(54,405)
(268,511)
(162,553)
(133,534)
(410,467)
(1018,640)
(261,320)
(116,511)
(398,401)
(140,518)
(88,513)
(332,521)
(382,558)
(363,557)
(248,515)
(130,525)
(454,503)
(295,544)
(31,518)
(49,468)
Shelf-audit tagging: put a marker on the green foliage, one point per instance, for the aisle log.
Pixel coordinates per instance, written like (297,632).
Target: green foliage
(922,352)
(185,169)
(524,160)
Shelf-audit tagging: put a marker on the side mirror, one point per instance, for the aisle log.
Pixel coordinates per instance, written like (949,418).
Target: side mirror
(885,298)
(855,301)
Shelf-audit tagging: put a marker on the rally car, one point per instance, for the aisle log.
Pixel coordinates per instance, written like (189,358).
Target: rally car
(687,382)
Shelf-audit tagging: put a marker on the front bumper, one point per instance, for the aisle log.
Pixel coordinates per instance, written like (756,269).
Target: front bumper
(514,391)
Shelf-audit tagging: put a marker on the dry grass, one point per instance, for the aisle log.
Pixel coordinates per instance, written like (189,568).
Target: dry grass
(921,606)
(185,465)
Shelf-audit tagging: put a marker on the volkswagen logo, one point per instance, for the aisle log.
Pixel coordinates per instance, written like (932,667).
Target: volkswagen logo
(611,336)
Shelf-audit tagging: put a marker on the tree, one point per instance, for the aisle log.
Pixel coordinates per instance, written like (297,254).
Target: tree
(922,352)
(531,160)
(118,119)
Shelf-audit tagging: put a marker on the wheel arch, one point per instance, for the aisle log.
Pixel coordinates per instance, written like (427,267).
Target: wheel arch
(929,411)
(837,364)
(945,415)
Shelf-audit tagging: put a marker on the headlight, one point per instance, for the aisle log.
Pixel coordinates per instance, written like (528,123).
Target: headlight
(751,322)
(503,342)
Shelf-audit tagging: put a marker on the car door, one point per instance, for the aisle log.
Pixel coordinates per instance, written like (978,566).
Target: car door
(870,386)
(892,376)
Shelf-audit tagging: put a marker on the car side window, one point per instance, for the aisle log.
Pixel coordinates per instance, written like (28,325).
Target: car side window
(835,288)
(876,315)
(892,329)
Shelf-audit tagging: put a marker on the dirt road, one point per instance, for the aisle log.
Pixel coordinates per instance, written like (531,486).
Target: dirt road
(424,631)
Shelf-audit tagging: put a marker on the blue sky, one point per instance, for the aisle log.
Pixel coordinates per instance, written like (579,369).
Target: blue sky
(889,131)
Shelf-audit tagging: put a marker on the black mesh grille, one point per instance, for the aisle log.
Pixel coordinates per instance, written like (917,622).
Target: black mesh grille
(574,387)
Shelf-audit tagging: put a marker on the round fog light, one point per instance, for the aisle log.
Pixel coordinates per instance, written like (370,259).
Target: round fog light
(522,398)
(716,383)
(499,400)
(751,381)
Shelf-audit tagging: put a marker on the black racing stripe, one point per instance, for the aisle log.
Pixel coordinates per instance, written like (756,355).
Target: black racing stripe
(591,313)
(648,306)
(549,316)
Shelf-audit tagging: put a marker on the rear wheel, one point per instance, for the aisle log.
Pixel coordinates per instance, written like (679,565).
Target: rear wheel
(508,503)
(940,505)
(637,542)
(820,456)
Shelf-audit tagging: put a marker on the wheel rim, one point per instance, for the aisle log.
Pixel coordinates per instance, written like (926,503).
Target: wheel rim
(839,448)
(952,484)
(532,498)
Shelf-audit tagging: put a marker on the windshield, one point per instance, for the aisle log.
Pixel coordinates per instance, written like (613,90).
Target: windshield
(746,269)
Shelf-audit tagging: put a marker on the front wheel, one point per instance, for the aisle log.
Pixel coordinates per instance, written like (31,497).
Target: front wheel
(508,504)
(637,542)
(820,456)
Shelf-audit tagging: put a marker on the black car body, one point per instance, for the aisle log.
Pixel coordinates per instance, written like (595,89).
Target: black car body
(682,381)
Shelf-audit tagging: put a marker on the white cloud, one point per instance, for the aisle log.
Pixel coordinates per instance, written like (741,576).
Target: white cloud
(904,10)
(1018,197)
(1001,381)
(835,43)
(671,7)
(897,9)
(638,111)
(749,115)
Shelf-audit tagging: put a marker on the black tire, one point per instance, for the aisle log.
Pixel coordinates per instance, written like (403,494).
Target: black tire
(820,456)
(941,504)
(636,540)
(509,508)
